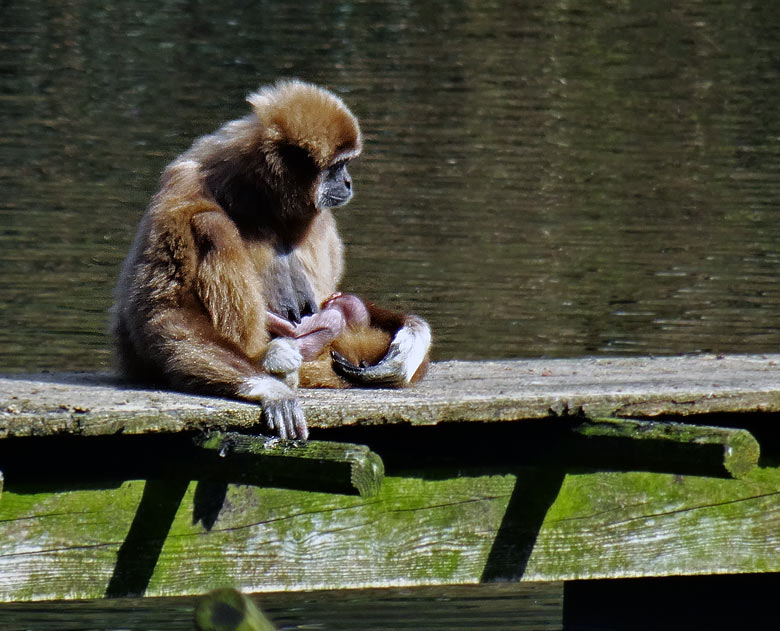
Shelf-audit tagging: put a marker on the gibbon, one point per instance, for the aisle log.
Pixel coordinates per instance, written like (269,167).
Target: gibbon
(229,287)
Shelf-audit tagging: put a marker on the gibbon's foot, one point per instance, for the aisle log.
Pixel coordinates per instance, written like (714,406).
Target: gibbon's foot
(282,411)
(407,352)
(384,374)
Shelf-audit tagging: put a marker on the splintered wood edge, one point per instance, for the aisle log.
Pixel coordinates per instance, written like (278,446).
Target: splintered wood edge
(454,391)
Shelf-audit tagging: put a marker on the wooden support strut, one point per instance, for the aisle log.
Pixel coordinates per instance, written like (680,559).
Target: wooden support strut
(321,465)
(725,451)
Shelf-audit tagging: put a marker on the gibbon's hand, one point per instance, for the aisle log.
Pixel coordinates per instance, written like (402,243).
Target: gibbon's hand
(282,411)
(283,359)
(406,353)
(285,418)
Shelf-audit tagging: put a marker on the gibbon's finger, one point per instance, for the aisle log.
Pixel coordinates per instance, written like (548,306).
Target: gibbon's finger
(299,422)
(295,424)
(285,419)
(273,418)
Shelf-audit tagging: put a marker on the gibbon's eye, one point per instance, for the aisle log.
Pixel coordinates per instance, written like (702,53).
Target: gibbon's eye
(297,159)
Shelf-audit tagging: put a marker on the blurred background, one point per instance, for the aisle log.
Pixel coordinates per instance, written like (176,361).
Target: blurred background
(539,179)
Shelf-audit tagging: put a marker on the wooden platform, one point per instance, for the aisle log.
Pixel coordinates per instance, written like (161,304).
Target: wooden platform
(485,471)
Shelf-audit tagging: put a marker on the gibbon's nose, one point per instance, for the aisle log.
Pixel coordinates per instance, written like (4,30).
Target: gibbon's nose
(348,182)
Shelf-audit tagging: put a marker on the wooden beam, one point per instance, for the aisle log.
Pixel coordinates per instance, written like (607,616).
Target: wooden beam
(321,465)
(723,450)
(227,609)
(105,493)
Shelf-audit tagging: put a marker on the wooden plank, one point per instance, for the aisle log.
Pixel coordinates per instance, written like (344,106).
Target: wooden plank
(93,404)
(431,527)
(521,606)
(638,524)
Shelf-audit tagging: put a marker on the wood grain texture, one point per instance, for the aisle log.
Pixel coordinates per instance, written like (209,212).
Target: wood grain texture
(637,524)
(434,528)
(456,522)
(93,404)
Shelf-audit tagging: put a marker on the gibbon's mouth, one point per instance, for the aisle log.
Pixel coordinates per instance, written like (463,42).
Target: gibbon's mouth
(335,202)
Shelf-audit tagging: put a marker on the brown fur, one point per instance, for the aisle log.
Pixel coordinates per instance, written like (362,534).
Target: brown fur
(192,298)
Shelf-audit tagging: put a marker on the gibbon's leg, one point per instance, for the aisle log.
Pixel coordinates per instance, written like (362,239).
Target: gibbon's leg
(388,349)
(196,359)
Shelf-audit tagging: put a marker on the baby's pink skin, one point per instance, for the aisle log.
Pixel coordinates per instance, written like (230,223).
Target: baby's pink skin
(315,332)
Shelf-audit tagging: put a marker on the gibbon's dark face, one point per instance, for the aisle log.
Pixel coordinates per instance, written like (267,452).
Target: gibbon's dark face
(335,187)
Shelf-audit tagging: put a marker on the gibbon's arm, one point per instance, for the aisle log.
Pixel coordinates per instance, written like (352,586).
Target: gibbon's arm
(226,285)
(406,359)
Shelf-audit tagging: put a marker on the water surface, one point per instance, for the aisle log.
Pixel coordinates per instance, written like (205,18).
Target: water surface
(539,179)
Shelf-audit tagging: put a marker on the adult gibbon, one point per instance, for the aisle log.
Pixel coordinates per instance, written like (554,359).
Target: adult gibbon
(230,284)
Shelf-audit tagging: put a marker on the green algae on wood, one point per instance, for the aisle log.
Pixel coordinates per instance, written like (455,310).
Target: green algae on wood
(633,524)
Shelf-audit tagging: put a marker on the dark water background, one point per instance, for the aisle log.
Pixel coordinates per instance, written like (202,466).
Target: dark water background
(539,178)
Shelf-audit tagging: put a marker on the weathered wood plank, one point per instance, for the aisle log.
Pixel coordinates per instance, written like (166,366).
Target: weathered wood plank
(484,519)
(637,524)
(429,528)
(92,404)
